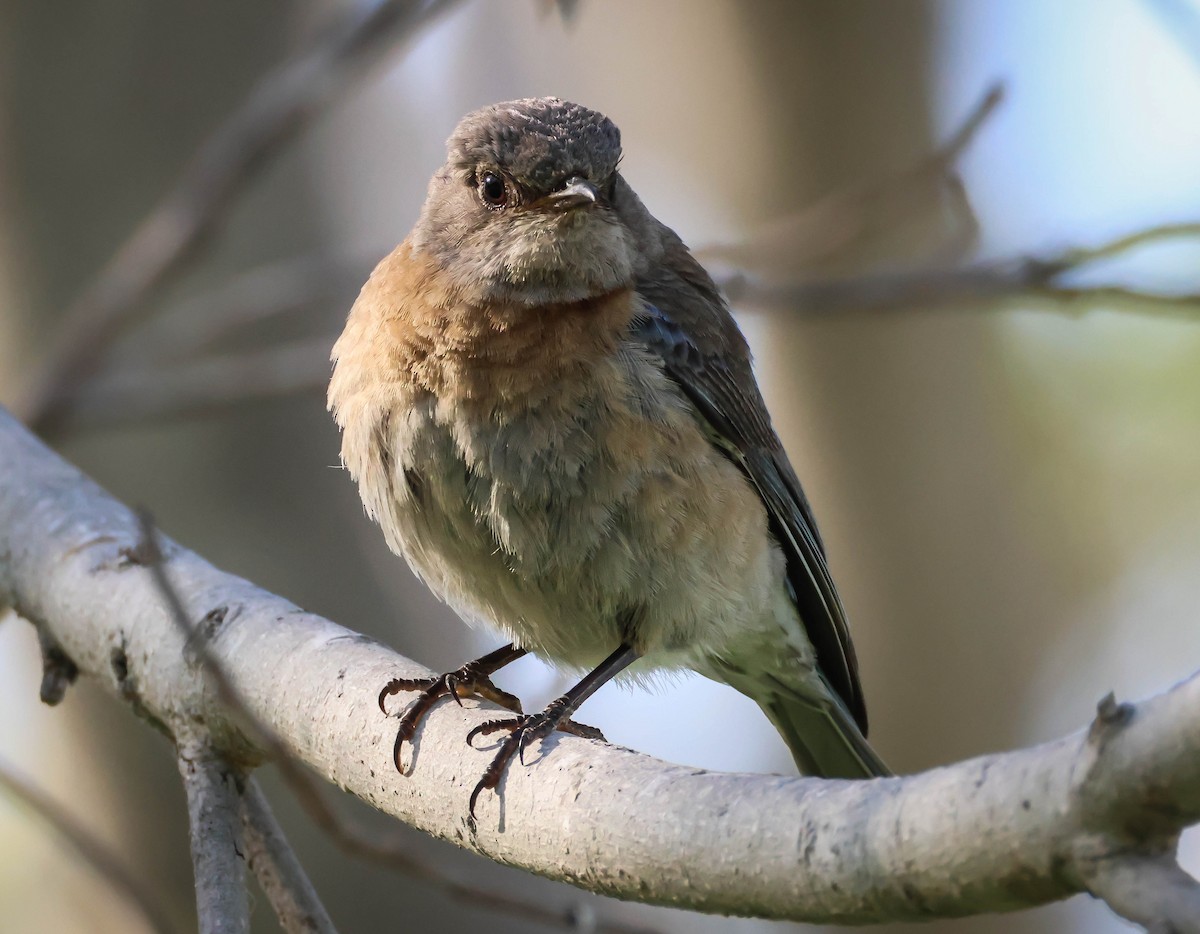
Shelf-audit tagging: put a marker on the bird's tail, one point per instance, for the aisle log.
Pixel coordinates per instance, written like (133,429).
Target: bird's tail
(822,736)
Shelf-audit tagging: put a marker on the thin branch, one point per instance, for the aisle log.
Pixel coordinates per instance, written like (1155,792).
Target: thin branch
(65,390)
(995,833)
(91,850)
(275,864)
(214,821)
(1019,281)
(215,319)
(347,836)
(202,387)
(280,875)
(175,232)
(923,207)
(980,114)
(214,385)
(167,369)
(169,376)
(1077,257)
(201,323)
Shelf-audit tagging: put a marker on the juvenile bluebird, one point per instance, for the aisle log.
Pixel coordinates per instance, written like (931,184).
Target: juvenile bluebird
(552,415)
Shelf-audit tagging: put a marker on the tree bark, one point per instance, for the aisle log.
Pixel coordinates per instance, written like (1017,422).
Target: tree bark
(1100,809)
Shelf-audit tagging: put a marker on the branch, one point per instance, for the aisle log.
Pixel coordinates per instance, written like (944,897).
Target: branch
(94,852)
(213,385)
(347,836)
(203,322)
(173,373)
(214,819)
(991,834)
(1022,280)
(923,208)
(169,368)
(1152,891)
(175,232)
(279,873)
(141,395)
(66,390)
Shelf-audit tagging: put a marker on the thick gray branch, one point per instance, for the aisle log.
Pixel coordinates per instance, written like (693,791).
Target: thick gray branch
(218,855)
(1151,890)
(1000,832)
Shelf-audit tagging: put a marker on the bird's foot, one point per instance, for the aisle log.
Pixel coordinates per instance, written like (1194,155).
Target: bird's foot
(469,681)
(522,731)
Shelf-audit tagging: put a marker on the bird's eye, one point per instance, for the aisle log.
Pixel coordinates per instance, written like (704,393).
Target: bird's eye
(492,190)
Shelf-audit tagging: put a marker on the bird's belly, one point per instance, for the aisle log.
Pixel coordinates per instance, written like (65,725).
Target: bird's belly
(575,534)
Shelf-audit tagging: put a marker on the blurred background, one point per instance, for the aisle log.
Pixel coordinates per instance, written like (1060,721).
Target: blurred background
(1007,476)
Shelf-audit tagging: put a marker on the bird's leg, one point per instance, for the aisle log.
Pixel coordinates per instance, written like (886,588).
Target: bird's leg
(526,728)
(472,679)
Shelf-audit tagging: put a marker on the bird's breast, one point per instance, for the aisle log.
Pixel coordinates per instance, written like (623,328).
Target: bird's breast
(554,483)
(561,523)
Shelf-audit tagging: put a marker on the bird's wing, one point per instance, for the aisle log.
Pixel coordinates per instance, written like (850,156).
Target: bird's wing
(722,388)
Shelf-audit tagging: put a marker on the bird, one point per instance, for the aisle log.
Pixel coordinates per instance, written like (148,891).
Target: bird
(552,415)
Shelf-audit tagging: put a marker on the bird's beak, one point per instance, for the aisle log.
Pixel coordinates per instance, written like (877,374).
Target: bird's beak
(576,193)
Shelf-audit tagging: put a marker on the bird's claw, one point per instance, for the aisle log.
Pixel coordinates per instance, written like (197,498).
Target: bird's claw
(531,732)
(522,730)
(467,681)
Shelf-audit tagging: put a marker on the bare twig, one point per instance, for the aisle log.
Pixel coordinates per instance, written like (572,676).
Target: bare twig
(168,369)
(204,322)
(922,208)
(280,875)
(202,387)
(784,268)
(214,821)
(213,385)
(174,233)
(96,854)
(1076,257)
(348,837)
(1021,280)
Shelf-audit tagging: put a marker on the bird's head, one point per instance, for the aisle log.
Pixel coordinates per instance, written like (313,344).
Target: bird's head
(530,206)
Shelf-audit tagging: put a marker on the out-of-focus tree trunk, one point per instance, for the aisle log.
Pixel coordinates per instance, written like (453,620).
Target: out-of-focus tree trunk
(12,328)
(896,422)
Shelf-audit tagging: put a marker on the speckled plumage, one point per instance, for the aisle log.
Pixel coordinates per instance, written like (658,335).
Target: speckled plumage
(553,417)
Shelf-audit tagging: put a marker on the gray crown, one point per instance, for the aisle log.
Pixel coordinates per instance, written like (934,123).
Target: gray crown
(538,140)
